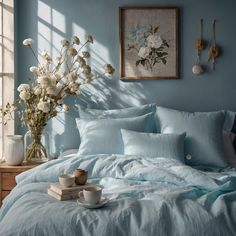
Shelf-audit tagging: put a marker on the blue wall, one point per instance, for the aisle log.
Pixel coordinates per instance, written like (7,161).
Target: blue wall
(47,21)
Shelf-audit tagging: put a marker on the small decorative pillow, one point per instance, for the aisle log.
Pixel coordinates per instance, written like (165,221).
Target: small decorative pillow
(116,113)
(204,138)
(154,145)
(103,136)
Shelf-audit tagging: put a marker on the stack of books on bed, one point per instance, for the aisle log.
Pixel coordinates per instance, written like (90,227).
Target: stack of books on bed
(62,193)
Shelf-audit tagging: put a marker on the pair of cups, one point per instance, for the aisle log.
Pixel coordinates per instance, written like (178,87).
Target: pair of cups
(79,177)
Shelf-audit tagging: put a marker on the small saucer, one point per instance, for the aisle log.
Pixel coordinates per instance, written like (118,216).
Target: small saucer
(85,204)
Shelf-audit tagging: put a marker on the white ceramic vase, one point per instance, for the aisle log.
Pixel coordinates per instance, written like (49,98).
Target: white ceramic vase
(14,150)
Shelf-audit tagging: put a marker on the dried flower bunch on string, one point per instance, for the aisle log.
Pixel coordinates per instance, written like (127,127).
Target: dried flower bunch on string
(43,98)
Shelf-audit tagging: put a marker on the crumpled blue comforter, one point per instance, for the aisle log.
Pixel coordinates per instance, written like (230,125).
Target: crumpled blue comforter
(148,196)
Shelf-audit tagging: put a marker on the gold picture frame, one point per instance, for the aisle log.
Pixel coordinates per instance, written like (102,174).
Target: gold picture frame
(149,42)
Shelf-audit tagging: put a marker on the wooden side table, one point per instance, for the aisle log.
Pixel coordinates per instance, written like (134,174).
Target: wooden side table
(7,177)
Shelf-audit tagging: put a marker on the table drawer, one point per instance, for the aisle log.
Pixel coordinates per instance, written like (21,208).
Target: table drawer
(8,181)
(5,193)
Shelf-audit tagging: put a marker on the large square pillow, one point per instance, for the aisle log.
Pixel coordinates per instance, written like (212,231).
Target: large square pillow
(204,137)
(116,113)
(103,136)
(154,145)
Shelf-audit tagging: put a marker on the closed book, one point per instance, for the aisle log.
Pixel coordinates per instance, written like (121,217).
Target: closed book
(63,197)
(61,190)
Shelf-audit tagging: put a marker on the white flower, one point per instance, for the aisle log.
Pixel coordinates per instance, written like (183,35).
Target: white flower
(60,102)
(34,69)
(108,69)
(81,61)
(74,87)
(72,52)
(75,40)
(89,38)
(46,56)
(144,52)
(154,41)
(24,95)
(65,108)
(86,69)
(37,91)
(72,76)
(44,81)
(51,91)
(44,107)
(23,87)
(65,43)
(28,42)
(86,54)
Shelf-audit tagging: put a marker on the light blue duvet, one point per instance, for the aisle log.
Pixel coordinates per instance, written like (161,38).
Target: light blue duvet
(148,196)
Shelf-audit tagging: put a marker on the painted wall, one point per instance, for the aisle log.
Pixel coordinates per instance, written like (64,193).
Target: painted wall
(48,21)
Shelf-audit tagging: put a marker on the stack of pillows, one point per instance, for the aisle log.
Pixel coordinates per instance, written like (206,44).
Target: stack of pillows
(204,139)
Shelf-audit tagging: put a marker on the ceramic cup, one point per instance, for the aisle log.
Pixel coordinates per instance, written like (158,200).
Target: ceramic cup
(81,176)
(67,180)
(91,194)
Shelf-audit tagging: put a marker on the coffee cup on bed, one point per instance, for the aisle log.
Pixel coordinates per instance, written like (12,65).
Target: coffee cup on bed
(91,194)
(81,176)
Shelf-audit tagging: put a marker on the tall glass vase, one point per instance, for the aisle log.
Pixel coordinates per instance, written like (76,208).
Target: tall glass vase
(36,144)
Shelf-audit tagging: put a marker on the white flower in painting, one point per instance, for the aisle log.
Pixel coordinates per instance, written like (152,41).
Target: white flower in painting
(65,108)
(44,107)
(24,95)
(154,41)
(34,69)
(144,52)
(28,42)
(23,87)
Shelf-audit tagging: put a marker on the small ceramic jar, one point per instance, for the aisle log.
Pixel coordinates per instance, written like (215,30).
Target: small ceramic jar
(81,176)
(14,152)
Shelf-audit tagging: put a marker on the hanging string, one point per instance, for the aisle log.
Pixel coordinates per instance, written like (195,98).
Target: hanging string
(201,29)
(214,33)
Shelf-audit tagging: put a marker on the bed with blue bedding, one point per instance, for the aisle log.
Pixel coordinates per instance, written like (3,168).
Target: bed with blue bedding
(147,196)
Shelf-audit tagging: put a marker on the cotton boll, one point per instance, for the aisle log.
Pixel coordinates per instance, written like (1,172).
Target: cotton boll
(197,69)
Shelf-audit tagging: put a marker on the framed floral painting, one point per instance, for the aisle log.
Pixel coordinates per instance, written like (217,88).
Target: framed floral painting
(148,43)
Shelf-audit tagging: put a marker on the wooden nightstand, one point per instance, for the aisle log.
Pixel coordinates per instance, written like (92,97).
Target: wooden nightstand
(7,177)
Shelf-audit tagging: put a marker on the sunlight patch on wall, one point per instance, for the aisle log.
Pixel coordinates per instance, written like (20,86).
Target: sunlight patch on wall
(44,11)
(58,21)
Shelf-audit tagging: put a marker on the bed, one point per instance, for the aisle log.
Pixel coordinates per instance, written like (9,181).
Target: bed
(148,195)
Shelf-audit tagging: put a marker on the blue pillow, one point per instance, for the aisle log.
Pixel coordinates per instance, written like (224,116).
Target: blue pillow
(204,138)
(154,145)
(103,136)
(116,113)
